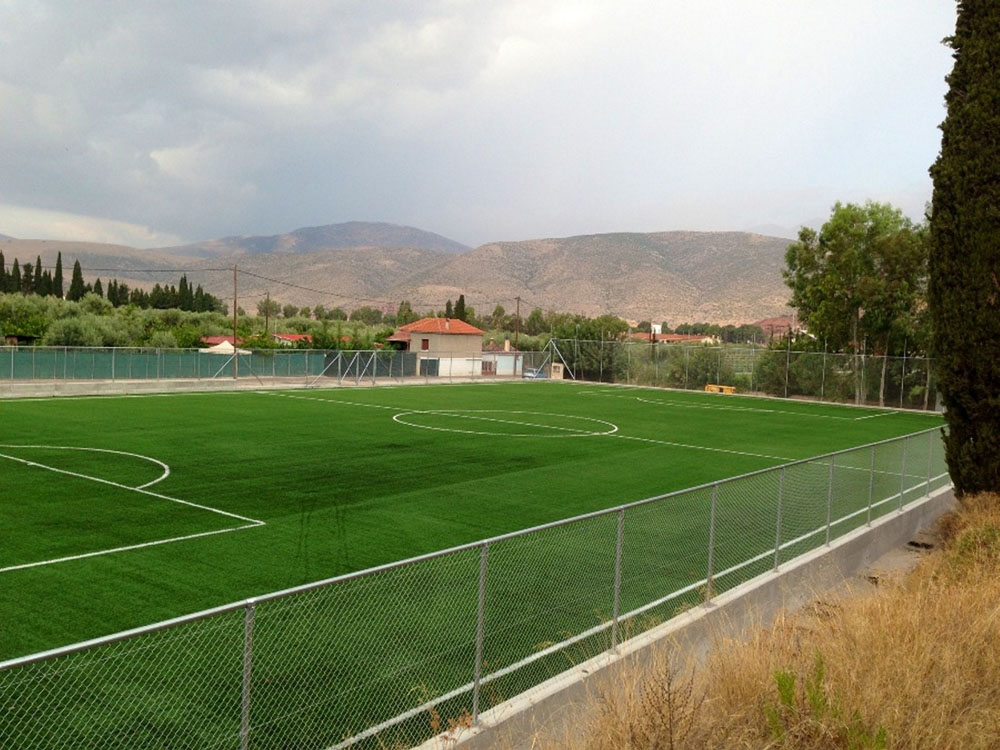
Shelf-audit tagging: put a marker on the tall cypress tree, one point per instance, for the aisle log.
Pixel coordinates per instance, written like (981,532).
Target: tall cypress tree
(964,293)
(3,274)
(57,280)
(76,286)
(14,280)
(39,288)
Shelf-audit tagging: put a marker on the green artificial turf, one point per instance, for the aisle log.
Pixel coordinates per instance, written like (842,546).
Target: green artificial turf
(307,485)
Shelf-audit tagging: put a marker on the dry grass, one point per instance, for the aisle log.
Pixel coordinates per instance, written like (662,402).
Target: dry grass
(915,664)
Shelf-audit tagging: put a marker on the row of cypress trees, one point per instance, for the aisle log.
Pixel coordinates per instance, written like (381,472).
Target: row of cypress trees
(44,282)
(31,279)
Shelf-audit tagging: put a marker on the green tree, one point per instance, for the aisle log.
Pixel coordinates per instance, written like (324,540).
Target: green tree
(965,262)
(460,312)
(498,319)
(289,311)
(448,312)
(78,331)
(76,286)
(367,315)
(3,274)
(268,308)
(535,322)
(14,280)
(39,284)
(405,313)
(27,280)
(858,277)
(98,288)
(57,279)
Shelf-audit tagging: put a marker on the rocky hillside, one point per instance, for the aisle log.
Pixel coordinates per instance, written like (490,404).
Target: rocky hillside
(720,277)
(353,234)
(723,277)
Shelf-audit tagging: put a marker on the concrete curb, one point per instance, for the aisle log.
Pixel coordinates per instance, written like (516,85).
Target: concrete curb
(554,703)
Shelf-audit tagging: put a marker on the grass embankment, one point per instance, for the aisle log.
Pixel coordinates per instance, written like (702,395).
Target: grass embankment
(915,664)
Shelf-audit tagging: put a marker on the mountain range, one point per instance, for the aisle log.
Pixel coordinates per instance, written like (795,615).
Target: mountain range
(674,277)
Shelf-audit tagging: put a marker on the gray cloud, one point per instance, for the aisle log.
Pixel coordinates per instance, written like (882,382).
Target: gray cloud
(481,121)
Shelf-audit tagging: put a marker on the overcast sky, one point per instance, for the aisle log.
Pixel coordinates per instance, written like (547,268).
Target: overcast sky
(159,122)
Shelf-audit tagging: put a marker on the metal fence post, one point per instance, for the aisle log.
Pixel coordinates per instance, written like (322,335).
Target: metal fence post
(777,525)
(871,486)
(930,456)
(822,386)
(618,580)
(248,619)
(711,544)
(480,612)
(902,476)
(829,499)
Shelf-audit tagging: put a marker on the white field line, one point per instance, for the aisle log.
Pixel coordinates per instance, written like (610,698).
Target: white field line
(331,401)
(472,414)
(704,448)
(874,416)
(129,547)
(132,489)
(679,405)
(112,396)
(249,522)
(164,475)
(614,434)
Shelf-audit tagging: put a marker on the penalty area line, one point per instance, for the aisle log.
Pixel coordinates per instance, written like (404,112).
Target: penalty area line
(140,490)
(129,547)
(672,444)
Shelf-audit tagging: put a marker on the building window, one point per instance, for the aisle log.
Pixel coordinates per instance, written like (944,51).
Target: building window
(425,344)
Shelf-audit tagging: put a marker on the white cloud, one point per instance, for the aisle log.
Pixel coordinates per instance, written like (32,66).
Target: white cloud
(34,223)
(464,117)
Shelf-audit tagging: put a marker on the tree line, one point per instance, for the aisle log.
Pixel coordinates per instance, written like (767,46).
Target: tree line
(44,282)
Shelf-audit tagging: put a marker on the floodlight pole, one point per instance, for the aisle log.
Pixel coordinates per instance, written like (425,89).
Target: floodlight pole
(236,356)
(517,322)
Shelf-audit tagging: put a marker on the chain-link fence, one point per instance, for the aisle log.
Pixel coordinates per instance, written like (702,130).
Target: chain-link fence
(310,366)
(904,382)
(389,656)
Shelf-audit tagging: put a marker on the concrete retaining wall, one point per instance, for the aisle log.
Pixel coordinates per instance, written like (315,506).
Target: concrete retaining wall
(554,704)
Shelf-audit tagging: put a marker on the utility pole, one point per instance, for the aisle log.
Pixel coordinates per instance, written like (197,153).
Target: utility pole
(236,359)
(517,321)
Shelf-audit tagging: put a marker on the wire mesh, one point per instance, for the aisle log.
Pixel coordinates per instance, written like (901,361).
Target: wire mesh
(745,522)
(664,551)
(178,687)
(391,656)
(334,661)
(542,591)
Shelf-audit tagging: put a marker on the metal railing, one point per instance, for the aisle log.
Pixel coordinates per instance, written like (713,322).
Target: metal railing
(308,366)
(904,382)
(390,655)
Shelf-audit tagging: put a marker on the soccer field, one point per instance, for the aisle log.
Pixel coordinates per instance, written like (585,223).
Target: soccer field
(122,511)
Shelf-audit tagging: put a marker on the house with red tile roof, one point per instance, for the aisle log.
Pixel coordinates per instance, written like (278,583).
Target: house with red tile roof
(216,340)
(674,338)
(776,328)
(291,339)
(444,346)
(439,336)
